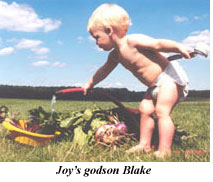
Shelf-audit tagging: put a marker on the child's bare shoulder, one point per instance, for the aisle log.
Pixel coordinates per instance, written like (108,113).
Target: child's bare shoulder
(134,38)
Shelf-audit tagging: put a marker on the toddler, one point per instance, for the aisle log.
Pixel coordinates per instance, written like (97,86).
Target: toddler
(142,56)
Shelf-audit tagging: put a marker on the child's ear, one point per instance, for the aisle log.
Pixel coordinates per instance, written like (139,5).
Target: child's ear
(109,30)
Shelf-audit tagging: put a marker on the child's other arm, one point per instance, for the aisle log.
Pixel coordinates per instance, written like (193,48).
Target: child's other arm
(160,45)
(103,71)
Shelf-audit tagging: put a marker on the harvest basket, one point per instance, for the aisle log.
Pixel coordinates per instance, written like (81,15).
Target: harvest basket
(26,137)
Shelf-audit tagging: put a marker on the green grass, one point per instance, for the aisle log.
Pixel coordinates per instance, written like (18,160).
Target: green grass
(193,117)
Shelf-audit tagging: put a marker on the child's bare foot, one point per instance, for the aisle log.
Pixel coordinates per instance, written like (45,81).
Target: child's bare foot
(139,148)
(162,155)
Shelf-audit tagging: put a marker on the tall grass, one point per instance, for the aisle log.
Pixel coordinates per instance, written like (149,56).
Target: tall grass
(192,117)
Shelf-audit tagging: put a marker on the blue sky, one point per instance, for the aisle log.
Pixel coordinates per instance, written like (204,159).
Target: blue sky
(46,43)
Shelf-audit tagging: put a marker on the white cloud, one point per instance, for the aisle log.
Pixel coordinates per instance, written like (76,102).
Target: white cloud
(198,38)
(6,51)
(40,63)
(58,64)
(50,25)
(32,45)
(21,17)
(40,50)
(28,44)
(47,63)
(180,19)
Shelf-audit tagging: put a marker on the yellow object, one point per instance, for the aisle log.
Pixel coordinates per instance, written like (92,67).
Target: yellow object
(23,124)
(26,137)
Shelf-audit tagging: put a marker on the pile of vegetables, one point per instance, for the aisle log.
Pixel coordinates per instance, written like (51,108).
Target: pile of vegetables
(81,127)
(86,127)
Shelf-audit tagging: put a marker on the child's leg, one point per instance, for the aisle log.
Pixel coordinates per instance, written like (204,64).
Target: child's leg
(146,124)
(166,100)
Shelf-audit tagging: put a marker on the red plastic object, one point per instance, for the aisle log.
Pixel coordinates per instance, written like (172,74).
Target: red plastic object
(68,90)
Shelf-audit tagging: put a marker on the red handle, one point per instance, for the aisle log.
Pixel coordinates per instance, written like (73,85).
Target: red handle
(70,90)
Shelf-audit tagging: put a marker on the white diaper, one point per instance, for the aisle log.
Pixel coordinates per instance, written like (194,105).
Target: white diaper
(175,73)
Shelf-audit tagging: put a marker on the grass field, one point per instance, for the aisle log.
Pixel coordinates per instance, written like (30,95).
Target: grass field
(193,117)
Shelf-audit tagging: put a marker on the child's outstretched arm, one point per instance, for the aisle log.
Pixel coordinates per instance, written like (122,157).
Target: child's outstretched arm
(160,45)
(103,71)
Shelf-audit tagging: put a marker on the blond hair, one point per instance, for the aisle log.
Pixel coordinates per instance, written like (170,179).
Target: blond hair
(109,15)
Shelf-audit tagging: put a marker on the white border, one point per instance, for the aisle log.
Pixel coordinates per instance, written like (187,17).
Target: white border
(160,171)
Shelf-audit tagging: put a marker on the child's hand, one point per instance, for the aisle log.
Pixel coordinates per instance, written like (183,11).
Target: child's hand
(185,51)
(86,87)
